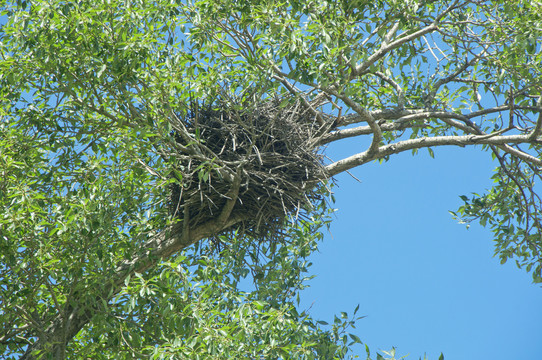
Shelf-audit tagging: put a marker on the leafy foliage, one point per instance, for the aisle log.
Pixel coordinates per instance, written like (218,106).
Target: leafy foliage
(94,211)
(193,307)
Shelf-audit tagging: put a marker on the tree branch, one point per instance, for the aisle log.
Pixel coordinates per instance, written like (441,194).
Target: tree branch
(385,48)
(538,127)
(365,116)
(387,150)
(363,130)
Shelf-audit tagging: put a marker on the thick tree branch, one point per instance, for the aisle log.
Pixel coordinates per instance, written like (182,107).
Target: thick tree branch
(363,130)
(402,119)
(387,150)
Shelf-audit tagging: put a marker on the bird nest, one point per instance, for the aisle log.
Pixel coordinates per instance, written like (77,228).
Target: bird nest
(267,148)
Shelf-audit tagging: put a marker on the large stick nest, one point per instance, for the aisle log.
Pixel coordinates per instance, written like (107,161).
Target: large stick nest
(267,149)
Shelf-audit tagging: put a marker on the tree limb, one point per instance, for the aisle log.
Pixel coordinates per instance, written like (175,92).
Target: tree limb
(462,141)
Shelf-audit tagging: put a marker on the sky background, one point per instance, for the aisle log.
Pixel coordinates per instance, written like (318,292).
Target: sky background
(426,284)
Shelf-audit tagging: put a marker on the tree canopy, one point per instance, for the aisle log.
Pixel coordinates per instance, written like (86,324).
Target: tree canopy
(163,162)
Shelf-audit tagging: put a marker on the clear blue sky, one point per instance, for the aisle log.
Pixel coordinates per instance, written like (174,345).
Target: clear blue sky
(425,282)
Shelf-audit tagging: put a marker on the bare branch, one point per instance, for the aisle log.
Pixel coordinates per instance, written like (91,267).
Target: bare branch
(366,116)
(462,141)
(447,79)
(388,46)
(363,130)
(391,33)
(400,93)
(385,48)
(296,93)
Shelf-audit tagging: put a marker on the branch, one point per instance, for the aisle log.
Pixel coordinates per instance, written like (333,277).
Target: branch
(538,127)
(400,93)
(365,115)
(447,79)
(387,150)
(402,117)
(363,130)
(385,48)
(278,75)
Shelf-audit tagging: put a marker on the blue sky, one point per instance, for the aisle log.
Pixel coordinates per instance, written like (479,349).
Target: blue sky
(426,284)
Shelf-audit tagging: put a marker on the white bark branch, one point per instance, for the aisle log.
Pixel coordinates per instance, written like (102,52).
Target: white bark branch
(388,45)
(385,48)
(387,150)
(362,130)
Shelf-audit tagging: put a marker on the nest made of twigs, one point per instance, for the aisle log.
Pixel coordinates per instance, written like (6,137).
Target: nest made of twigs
(269,145)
